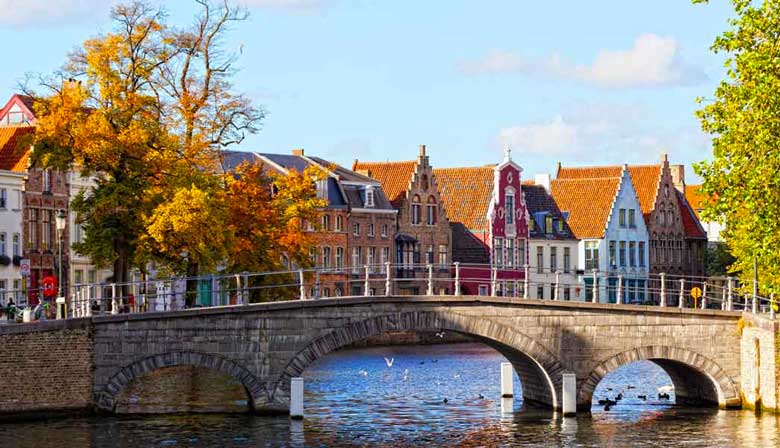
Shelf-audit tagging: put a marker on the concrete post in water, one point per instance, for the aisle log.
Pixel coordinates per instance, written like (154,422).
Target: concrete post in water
(681,301)
(114,301)
(595,286)
(663,289)
(557,284)
(388,280)
(730,297)
(302,284)
(704,296)
(429,292)
(619,298)
(525,283)
(569,395)
(493,282)
(506,380)
(457,278)
(296,398)
(366,283)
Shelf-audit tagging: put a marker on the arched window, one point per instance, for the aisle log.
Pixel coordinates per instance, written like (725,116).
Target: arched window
(430,210)
(509,206)
(416,210)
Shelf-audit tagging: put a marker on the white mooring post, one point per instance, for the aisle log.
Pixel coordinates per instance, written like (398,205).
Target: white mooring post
(506,380)
(595,286)
(569,395)
(493,282)
(388,280)
(525,282)
(663,289)
(296,398)
(457,278)
(557,284)
(704,296)
(302,284)
(730,296)
(681,301)
(366,283)
(114,302)
(430,280)
(619,298)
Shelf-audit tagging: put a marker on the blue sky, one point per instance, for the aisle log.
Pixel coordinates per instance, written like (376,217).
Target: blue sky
(577,82)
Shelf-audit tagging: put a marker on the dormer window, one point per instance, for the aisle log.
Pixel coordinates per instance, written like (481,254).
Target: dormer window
(531,224)
(548,224)
(509,207)
(559,225)
(369,197)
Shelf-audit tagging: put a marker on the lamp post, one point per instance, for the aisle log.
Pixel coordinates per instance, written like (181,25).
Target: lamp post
(60,222)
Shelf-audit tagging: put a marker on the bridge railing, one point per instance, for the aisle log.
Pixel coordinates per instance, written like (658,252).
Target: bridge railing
(386,279)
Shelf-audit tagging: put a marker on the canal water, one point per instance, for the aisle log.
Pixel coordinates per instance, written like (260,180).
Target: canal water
(395,396)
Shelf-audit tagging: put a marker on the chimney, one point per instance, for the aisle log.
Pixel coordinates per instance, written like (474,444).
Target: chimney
(678,176)
(543,180)
(422,150)
(297,151)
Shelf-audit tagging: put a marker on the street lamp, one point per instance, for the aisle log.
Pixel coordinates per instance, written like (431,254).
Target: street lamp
(60,223)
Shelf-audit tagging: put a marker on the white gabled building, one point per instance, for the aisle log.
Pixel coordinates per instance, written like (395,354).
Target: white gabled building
(11,186)
(605,214)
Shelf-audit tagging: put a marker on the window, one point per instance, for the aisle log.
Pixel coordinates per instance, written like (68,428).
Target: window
(46,181)
(78,232)
(326,222)
(666,190)
(416,210)
(553,259)
(416,254)
(431,211)
(326,257)
(483,290)
(509,207)
(510,252)
(498,252)
(371,259)
(631,218)
(539,259)
(384,229)
(356,229)
(540,292)
(442,255)
(17,250)
(559,225)
(662,218)
(3,198)
(612,254)
(309,226)
(338,292)
(339,223)
(548,224)
(370,229)
(356,260)
(313,256)
(591,255)
(339,258)
(3,243)
(622,253)
(33,229)
(521,253)
(325,292)
(631,253)
(622,217)
(46,243)
(383,260)
(531,224)
(566,259)
(567,293)
(369,197)
(429,254)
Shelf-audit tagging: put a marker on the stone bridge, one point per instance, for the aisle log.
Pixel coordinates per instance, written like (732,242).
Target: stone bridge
(264,345)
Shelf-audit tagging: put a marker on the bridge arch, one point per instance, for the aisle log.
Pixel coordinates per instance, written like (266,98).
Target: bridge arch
(539,370)
(106,400)
(697,380)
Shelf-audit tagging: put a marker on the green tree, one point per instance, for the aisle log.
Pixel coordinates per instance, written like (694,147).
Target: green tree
(743,178)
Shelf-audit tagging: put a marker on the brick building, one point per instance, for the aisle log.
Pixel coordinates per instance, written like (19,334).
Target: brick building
(422,230)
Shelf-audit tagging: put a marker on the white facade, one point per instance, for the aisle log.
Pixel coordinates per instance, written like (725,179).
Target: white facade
(11,187)
(624,250)
(561,256)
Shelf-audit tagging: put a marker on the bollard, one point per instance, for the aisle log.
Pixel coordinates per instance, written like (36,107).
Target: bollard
(619,298)
(557,284)
(569,395)
(595,287)
(366,283)
(430,280)
(302,284)
(114,304)
(681,301)
(296,398)
(663,289)
(493,283)
(388,281)
(525,282)
(730,297)
(506,380)
(457,278)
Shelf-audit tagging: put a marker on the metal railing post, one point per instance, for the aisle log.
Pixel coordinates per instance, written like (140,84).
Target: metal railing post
(429,292)
(302,284)
(317,284)
(730,297)
(663,289)
(88,291)
(114,304)
(595,286)
(681,300)
(525,282)
(704,296)
(619,298)
(723,298)
(388,280)
(493,282)
(366,283)
(457,278)
(754,305)
(557,285)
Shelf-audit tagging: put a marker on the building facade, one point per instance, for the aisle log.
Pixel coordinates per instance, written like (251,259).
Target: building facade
(11,187)
(422,234)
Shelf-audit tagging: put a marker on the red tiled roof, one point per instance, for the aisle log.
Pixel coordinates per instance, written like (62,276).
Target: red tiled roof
(696,198)
(14,150)
(394,177)
(645,178)
(691,224)
(466,194)
(588,202)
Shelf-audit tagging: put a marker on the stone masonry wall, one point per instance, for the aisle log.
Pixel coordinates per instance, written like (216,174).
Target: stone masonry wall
(760,368)
(46,367)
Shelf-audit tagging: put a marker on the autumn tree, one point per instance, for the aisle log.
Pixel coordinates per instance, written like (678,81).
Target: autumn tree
(743,118)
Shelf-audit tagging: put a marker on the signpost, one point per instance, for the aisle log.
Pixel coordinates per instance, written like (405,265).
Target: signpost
(24,267)
(696,294)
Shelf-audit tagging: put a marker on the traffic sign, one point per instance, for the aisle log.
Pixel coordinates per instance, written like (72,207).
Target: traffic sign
(696,292)
(24,267)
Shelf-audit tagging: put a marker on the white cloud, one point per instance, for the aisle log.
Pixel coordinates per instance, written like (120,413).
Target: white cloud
(50,12)
(301,6)
(652,61)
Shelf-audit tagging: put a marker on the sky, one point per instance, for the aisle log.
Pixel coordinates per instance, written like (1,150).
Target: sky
(583,83)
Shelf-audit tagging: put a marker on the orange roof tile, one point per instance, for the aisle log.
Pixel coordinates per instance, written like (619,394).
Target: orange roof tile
(691,224)
(394,177)
(646,180)
(588,202)
(14,149)
(466,194)
(696,198)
